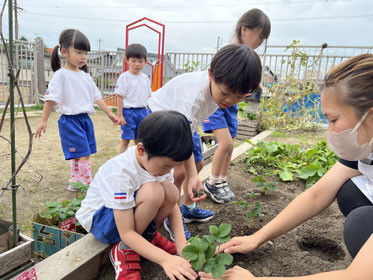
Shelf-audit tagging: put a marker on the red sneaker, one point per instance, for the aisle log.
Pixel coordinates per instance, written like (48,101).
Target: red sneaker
(126,263)
(164,244)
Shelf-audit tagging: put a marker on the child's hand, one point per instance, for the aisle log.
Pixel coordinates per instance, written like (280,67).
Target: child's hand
(177,267)
(122,121)
(195,187)
(113,118)
(41,128)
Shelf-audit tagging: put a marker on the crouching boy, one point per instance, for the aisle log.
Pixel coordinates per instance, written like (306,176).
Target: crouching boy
(133,193)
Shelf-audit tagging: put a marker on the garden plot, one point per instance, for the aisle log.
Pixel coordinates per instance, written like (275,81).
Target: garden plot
(316,246)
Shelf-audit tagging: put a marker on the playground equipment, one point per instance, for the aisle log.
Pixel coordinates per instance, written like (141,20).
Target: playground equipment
(157,67)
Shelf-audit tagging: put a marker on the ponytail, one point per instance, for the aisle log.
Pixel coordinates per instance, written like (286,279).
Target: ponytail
(55,59)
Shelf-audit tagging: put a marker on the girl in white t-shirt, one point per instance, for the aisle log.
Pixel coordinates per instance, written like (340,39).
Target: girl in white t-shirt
(74,93)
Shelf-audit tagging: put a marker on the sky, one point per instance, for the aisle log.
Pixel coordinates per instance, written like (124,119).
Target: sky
(195,26)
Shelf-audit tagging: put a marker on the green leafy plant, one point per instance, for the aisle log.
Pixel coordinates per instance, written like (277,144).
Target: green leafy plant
(288,104)
(244,114)
(79,186)
(201,251)
(254,211)
(262,184)
(60,210)
(290,162)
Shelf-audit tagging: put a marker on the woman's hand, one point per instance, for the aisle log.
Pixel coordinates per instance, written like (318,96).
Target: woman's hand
(240,244)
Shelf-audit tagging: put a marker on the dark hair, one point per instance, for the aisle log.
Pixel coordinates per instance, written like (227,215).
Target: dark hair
(353,80)
(136,51)
(166,134)
(253,19)
(70,38)
(238,68)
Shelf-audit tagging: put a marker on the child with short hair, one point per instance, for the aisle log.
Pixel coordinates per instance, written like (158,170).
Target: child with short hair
(133,193)
(252,29)
(132,91)
(74,93)
(234,73)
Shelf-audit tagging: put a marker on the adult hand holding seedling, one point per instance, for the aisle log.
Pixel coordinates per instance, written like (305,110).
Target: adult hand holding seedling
(234,273)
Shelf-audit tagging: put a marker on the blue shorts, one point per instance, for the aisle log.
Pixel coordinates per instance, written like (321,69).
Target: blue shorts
(222,118)
(133,117)
(197,149)
(104,227)
(77,136)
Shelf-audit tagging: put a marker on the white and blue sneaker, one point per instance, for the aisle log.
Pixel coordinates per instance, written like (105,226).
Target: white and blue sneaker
(167,227)
(195,215)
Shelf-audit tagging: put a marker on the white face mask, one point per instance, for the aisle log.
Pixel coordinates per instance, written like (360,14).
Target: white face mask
(345,145)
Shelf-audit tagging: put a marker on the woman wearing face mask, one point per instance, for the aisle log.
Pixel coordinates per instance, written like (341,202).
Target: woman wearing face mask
(347,102)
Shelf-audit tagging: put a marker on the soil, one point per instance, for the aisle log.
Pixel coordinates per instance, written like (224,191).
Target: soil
(316,246)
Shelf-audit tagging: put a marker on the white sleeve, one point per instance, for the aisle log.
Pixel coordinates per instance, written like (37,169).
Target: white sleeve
(121,86)
(149,87)
(117,191)
(54,91)
(96,92)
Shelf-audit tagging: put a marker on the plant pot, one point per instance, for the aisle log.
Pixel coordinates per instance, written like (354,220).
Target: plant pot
(17,256)
(49,239)
(247,129)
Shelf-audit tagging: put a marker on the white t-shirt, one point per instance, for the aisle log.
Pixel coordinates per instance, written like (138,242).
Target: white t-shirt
(135,89)
(114,186)
(74,92)
(188,94)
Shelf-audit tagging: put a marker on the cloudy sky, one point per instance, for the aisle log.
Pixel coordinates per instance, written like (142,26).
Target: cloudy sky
(196,25)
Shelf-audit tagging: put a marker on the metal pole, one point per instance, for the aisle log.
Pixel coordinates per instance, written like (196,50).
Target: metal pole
(12,130)
(16,19)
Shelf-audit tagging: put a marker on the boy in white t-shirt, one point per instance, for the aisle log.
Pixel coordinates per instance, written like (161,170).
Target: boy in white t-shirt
(235,72)
(133,193)
(132,91)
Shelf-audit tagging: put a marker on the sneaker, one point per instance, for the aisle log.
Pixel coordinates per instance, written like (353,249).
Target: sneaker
(167,227)
(126,263)
(227,190)
(195,215)
(71,188)
(164,244)
(217,193)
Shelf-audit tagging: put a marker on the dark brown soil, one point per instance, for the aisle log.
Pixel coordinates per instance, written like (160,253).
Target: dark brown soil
(313,247)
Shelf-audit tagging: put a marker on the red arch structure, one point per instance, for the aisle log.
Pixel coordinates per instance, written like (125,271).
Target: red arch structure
(158,79)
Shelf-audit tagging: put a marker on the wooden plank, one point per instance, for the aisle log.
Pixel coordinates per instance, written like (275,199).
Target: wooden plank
(80,260)
(17,255)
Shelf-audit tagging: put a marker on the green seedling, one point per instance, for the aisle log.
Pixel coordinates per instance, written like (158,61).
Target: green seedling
(201,251)
(79,186)
(262,184)
(254,211)
(60,210)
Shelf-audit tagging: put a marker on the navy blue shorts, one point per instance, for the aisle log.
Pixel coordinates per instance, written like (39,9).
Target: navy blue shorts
(133,117)
(77,136)
(197,149)
(222,118)
(104,227)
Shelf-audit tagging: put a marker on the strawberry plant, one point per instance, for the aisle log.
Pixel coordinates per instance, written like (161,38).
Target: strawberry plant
(201,251)
(254,211)
(60,210)
(290,162)
(262,184)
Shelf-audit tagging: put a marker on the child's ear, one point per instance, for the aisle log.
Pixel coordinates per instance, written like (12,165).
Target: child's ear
(210,75)
(140,149)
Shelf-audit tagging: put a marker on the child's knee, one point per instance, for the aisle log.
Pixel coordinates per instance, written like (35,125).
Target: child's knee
(172,195)
(153,193)
(227,146)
